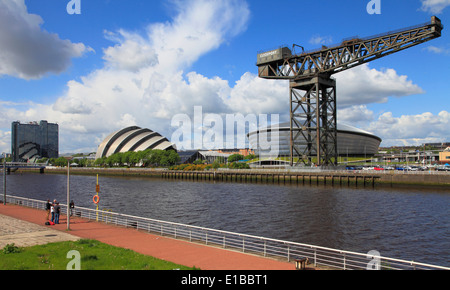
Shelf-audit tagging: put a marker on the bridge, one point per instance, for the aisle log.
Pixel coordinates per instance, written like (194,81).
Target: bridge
(14,166)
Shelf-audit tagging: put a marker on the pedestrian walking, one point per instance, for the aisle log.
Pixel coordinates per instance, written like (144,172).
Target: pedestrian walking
(57,212)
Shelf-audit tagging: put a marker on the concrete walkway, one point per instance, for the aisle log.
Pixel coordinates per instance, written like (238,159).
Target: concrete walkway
(25,234)
(25,226)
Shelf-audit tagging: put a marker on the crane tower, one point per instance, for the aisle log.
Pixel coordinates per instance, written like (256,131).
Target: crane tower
(313,132)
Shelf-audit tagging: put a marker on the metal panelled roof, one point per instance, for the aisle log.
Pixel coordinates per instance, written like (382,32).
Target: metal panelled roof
(132,139)
(350,140)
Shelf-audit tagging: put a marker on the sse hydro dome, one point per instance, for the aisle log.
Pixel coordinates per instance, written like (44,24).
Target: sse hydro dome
(133,139)
(351,141)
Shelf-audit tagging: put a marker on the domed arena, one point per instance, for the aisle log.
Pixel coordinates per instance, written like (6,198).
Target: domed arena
(133,139)
(351,141)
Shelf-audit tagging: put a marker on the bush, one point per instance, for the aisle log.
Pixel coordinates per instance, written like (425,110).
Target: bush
(235,157)
(251,157)
(216,164)
(191,167)
(11,249)
(238,165)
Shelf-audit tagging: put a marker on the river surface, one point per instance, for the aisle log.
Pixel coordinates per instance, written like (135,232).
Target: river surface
(408,223)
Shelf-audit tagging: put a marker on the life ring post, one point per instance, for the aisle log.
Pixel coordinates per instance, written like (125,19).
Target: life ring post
(96,198)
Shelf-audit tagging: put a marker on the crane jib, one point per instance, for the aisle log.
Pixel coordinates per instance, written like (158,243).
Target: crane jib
(282,63)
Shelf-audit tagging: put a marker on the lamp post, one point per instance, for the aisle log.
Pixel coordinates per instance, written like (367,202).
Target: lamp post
(4,178)
(68,192)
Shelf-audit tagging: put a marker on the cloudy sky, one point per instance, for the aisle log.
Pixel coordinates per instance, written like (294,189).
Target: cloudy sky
(142,62)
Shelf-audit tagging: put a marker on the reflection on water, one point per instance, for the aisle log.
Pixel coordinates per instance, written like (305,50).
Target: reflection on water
(411,224)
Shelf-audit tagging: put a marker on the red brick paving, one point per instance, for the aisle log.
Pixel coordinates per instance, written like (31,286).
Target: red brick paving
(177,251)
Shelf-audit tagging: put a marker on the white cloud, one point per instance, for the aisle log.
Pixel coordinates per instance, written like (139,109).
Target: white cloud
(411,129)
(143,81)
(253,95)
(131,53)
(363,85)
(27,51)
(437,50)
(199,27)
(435,6)
(5,141)
(355,115)
(321,40)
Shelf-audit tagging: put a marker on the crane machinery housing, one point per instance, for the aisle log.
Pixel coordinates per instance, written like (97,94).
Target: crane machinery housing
(313,90)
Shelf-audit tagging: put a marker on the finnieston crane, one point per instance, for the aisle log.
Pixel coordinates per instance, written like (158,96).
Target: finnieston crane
(313,132)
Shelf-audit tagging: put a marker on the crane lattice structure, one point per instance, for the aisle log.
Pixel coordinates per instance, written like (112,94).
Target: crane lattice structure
(313,130)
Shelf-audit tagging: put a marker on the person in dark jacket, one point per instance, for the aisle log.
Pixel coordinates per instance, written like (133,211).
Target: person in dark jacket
(57,210)
(72,206)
(47,208)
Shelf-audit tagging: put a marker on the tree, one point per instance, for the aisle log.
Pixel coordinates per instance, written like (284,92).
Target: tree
(251,156)
(164,161)
(173,157)
(61,161)
(100,161)
(126,157)
(148,157)
(235,157)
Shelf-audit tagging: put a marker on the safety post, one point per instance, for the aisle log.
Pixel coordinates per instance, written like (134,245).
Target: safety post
(96,198)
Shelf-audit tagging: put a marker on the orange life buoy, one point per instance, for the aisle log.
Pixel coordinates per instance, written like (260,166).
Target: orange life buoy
(96,199)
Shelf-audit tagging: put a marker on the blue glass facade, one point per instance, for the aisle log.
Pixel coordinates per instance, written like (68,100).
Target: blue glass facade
(34,140)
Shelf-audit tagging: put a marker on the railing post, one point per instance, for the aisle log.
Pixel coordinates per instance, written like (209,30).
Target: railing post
(345,266)
(315,257)
(288,254)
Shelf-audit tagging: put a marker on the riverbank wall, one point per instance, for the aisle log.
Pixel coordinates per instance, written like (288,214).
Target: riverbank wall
(280,176)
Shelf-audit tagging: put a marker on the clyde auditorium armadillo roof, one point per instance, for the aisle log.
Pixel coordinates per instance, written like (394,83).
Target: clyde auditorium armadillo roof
(132,139)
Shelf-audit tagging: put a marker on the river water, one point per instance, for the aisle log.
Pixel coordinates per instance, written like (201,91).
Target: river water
(408,223)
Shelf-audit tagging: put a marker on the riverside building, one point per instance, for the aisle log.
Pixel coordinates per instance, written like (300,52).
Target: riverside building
(33,140)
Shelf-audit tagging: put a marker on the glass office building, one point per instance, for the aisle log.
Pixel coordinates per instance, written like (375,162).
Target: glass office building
(34,140)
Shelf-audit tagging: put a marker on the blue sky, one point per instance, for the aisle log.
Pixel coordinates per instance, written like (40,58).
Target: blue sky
(141,62)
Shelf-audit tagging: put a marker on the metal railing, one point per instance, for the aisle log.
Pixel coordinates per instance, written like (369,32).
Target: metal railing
(321,257)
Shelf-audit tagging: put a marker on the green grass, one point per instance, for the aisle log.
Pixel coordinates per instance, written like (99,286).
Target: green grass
(94,255)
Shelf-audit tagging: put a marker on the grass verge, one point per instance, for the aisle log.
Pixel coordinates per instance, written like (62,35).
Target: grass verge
(94,255)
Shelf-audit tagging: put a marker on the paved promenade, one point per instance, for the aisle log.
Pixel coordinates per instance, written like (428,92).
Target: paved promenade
(25,226)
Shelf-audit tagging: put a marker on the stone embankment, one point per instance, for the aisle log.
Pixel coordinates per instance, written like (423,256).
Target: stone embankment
(364,178)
